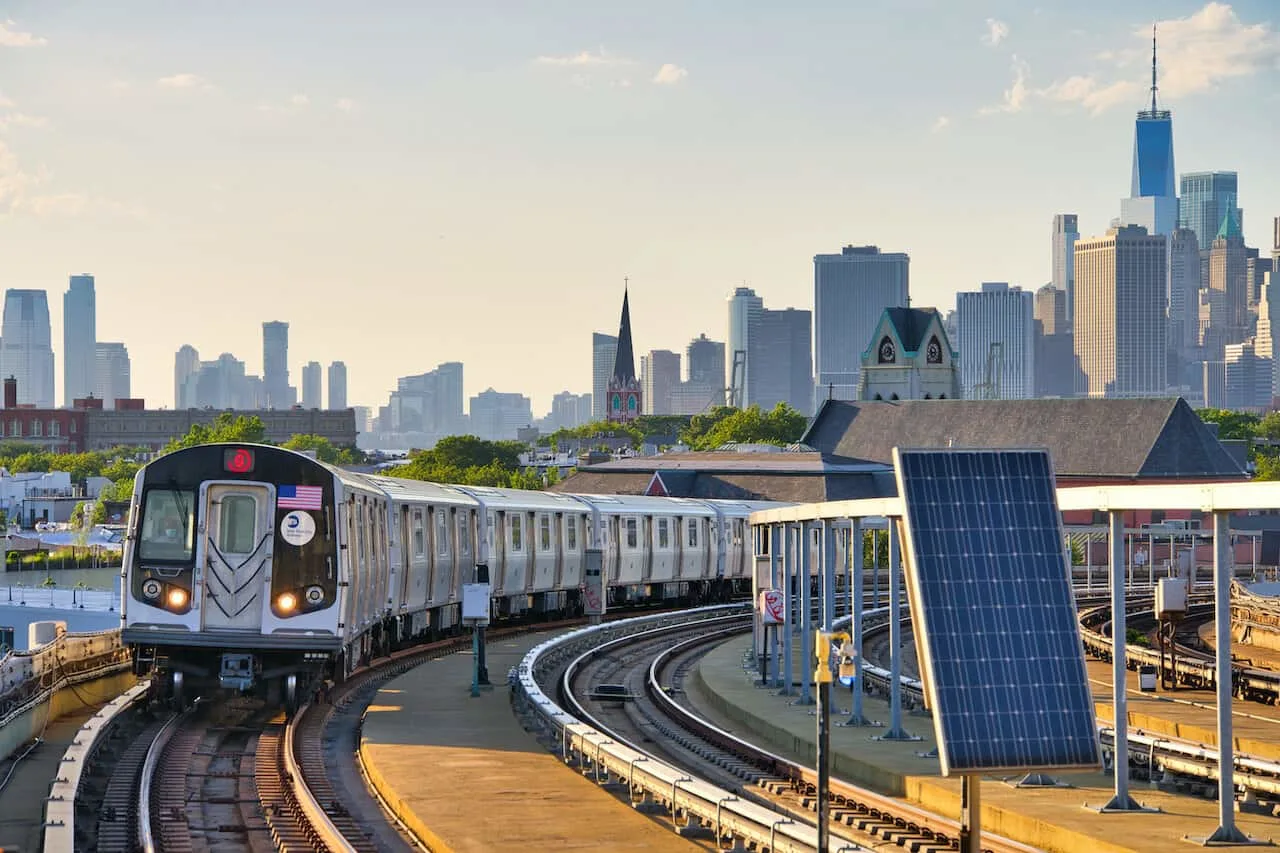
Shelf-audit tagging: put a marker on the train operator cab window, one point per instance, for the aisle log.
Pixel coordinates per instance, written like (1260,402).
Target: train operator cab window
(168,526)
(571,533)
(238,524)
(633,540)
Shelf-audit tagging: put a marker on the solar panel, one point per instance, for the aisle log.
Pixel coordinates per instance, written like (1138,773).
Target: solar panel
(993,610)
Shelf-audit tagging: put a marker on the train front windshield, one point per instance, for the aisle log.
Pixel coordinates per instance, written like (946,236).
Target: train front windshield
(168,526)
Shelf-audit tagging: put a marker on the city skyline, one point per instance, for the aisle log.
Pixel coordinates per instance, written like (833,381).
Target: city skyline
(275,165)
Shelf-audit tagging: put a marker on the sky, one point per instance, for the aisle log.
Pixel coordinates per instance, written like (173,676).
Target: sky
(410,182)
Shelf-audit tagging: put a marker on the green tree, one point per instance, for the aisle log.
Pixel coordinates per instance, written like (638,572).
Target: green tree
(324,449)
(701,424)
(1231,425)
(225,427)
(783,425)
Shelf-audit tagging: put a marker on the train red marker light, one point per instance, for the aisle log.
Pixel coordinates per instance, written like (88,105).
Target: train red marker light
(238,460)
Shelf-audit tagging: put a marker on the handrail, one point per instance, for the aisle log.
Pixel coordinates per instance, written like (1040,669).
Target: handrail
(328,834)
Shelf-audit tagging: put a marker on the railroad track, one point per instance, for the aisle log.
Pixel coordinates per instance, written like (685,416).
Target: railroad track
(652,720)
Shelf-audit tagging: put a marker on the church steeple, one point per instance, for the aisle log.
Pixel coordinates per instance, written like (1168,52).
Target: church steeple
(624,364)
(623,401)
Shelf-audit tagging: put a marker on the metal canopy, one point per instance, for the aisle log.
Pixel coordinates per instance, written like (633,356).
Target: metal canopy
(991,600)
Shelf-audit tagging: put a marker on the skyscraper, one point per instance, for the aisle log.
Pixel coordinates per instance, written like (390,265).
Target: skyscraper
(79,334)
(1184,287)
(186,364)
(851,291)
(312,385)
(26,352)
(781,349)
(112,374)
(604,351)
(660,380)
(1205,198)
(706,362)
(1152,201)
(275,365)
(1065,234)
(337,385)
(1055,352)
(997,337)
(1228,277)
(744,314)
(1120,330)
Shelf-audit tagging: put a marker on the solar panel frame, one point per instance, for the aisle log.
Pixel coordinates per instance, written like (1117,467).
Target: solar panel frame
(1035,733)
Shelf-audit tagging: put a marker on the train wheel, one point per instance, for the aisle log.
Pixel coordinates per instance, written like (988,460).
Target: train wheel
(291,693)
(176,691)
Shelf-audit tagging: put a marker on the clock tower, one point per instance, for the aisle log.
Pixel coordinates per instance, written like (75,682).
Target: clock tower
(622,400)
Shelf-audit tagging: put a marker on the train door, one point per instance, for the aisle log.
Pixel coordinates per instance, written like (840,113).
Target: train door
(237,555)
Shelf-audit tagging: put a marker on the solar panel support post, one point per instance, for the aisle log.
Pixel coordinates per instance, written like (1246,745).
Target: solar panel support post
(895,732)
(970,813)
(857,606)
(1120,801)
(828,574)
(806,611)
(823,758)
(789,603)
(775,557)
(1223,569)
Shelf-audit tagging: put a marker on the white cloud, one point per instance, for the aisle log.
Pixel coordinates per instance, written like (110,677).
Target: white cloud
(15,38)
(8,120)
(300,100)
(997,31)
(1094,96)
(670,74)
(184,81)
(1198,53)
(1015,97)
(582,58)
(346,105)
(940,124)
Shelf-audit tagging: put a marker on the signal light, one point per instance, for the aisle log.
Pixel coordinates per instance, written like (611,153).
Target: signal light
(238,460)
(286,602)
(177,598)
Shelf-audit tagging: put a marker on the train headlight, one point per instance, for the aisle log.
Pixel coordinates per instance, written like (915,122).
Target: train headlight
(315,595)
(177,598)
(151,589)
(286,602)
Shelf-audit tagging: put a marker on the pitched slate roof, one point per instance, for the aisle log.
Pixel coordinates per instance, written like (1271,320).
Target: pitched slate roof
(910,324)
(786,476)
(1141,438)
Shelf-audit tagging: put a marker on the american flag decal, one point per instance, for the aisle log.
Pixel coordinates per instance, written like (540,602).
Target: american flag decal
(299,497)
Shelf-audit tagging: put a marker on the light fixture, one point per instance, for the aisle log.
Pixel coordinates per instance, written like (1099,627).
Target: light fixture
(151,588)
(177,598)
(286,602)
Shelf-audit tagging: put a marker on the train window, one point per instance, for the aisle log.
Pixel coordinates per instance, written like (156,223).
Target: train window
(168,525)
(490,526)
(571,532)
(442,532)
(633,540)
(464,534)
(237,524)
(544,532)
(419,535)
(517,534)
(693,533)
(664,537)
(360,534)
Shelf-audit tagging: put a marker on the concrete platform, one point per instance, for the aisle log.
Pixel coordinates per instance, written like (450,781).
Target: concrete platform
(466,777)
(1052,819)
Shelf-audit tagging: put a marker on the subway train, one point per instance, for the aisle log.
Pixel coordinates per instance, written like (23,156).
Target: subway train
(262,570)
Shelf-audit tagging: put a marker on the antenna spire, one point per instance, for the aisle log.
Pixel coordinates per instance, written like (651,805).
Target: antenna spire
(1153,68)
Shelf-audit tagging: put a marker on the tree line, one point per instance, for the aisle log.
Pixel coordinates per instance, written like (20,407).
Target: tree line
(781,425)
(1262,432)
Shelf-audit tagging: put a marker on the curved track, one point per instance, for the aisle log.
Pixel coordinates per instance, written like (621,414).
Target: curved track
(652,667)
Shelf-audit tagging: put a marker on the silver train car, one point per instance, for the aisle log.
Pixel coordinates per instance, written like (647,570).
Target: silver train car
(254,568)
